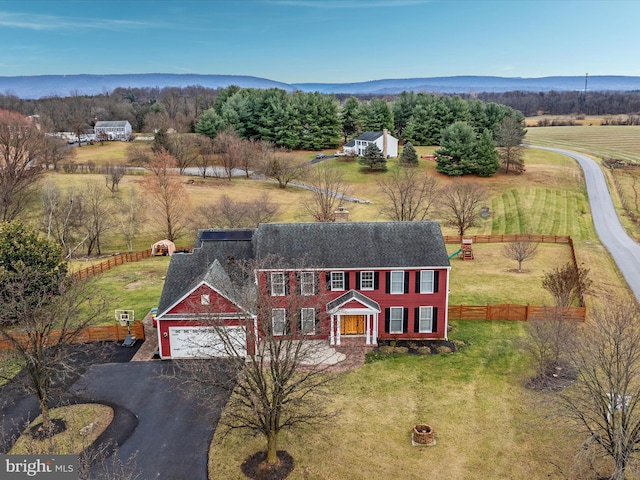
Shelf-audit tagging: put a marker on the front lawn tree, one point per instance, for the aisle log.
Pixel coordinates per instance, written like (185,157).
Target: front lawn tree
(43,312)
(282,383)
(604,401)
(410,194)
(464,151)
(282,167)
(567,284)
(373,158)
(460,204)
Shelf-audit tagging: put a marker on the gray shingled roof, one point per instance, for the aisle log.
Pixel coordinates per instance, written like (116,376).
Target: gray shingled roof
(369,136)
(340,245)
(353,295)
(111,123)
(353,244)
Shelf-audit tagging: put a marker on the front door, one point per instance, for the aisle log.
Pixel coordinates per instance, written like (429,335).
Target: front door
(352,325)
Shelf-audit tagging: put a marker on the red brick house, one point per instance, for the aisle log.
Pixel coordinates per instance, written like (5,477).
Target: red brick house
(363,280)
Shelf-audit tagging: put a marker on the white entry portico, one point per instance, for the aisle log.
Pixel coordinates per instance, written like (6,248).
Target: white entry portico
(353,314)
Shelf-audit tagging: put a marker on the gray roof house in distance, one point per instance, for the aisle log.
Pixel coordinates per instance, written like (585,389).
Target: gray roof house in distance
(387,144)
(112,130)
(362,281)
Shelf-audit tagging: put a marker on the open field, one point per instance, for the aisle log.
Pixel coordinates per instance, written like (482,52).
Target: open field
(621,142)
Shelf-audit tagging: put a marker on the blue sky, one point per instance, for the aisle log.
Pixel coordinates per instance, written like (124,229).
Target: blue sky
(295,41)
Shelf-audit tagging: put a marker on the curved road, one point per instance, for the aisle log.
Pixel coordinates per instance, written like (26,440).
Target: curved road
(624,250)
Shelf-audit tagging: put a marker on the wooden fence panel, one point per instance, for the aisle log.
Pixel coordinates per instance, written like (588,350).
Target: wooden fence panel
(114,261)
(513,312)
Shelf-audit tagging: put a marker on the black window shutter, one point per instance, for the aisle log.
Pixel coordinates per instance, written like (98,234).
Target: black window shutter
(434,320)
(387,287)
(346,280)
(436,277)
(287,281)
(268,275)
(316,281)
(299,320)
(405,320)
(376,280)
(416,319)
(387,315)
(328,280)
(406,281)
(317,318)
(298,284)
(358,280)
(417,283)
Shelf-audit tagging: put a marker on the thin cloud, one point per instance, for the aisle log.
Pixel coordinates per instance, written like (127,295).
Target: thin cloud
(50,22)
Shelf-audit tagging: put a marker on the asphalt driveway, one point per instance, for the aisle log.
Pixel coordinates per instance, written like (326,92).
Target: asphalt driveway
(169,430)
(624,249)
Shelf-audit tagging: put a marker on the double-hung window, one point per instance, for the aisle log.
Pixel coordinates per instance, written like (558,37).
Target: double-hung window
(396,319)
(426,281)
(337,280)
(307,283)
(366,281)
(397,282)
(308,321)
(279,321)
(425,319)
(277,284)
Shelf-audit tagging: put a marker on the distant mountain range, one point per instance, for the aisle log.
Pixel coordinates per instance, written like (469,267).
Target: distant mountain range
(65,85)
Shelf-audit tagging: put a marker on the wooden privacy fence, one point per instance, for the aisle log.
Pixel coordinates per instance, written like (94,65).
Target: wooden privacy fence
(508,238)
(112,262)
(514,312)
(105,333)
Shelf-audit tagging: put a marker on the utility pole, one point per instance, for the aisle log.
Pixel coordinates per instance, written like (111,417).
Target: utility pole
(586,77)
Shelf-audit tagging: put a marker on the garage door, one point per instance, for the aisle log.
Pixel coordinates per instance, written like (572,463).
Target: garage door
(203,342)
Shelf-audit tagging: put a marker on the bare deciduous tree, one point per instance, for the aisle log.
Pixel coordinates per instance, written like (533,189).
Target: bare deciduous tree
(97,215)
(605,399)
(509,139)
(567,284)
(329,190)
(131,215)
(410,193)
(282,383)
(460,202)
(46,323)
(63,217)
(231,149)
(520,251)
(21,145)
(227,213)
(282,167)
(168,201)
(184,148)
(113,176)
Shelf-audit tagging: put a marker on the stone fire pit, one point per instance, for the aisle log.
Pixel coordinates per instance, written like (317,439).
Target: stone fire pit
(422,435)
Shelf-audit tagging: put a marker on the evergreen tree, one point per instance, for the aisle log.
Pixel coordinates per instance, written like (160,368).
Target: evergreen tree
(210,124)
(350,119)
(487,159)
(457,153)
(409,156)
(373,158)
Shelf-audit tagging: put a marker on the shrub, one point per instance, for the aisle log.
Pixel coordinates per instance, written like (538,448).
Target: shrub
(400,349)
(424,351)
(443,349)
(386,349)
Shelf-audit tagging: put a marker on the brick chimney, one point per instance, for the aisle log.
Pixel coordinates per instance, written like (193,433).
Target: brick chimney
(385,134)
(341,215)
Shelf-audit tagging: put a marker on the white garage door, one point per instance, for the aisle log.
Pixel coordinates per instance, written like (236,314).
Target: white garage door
(203,342)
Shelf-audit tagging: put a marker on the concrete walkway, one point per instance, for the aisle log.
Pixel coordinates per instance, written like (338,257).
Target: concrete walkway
(150,345)
(624,249)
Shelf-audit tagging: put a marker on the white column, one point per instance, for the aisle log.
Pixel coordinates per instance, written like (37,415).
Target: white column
(338,330)
(332,340)
(367,329)
(374,336)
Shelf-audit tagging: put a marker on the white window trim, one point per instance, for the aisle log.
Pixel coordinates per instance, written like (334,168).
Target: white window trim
(337,289)
(274,291)
(421,318)
(422,282)
(278,311)
(401,283)
(205,299)
(311,314)
(372,287)
(391,319)
(304,286)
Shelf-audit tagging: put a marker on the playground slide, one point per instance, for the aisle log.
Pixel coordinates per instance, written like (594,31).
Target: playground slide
(455,253)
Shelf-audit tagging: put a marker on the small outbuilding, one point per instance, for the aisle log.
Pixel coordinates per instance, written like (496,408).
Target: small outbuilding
(163,248)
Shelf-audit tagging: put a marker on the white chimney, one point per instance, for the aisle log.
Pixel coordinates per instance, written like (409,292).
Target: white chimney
(385,134)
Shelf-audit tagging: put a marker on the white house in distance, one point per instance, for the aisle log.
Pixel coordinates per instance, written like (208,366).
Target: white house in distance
(387,144)
(113,130)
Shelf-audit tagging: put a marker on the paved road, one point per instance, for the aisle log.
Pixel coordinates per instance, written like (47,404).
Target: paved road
(624,249)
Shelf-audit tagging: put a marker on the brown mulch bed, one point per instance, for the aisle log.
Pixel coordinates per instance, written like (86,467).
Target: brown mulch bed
(58,425)
(256,467)
(555,378)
